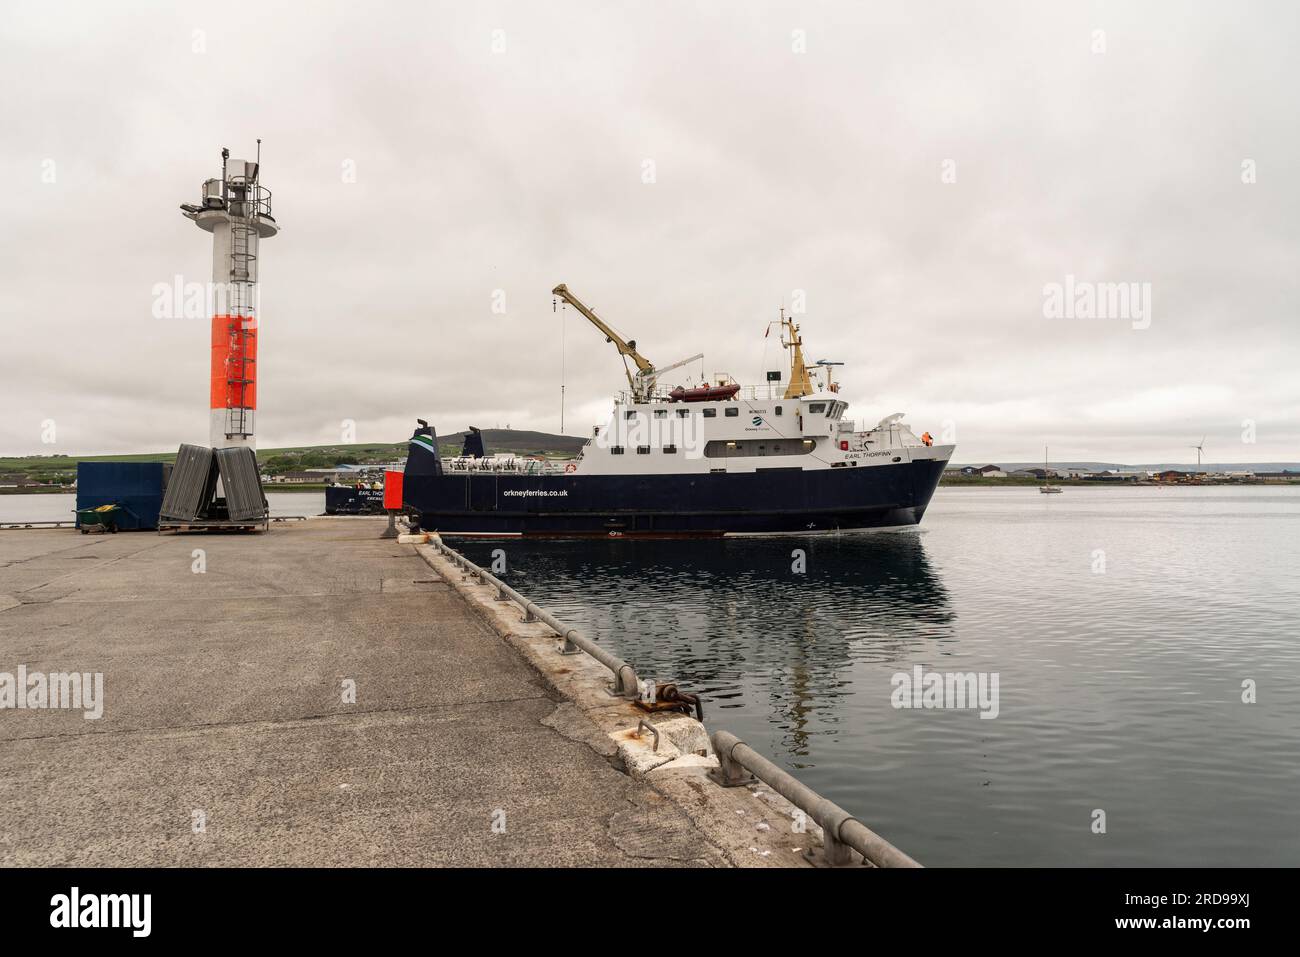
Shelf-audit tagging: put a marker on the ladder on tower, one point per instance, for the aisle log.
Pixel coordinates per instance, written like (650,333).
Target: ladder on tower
(242,312)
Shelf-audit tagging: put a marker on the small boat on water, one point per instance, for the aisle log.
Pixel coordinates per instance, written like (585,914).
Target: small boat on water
(704,460)
(1047,487)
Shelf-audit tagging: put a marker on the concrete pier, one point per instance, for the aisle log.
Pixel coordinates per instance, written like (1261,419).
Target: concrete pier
(229,735)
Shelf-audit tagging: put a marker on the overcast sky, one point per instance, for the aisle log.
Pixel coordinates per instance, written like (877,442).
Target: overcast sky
(795,147)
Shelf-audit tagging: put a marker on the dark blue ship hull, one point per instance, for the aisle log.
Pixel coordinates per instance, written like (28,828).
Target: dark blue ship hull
(715,504)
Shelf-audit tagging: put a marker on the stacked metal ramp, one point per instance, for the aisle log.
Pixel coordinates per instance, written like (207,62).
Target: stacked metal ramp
(191,499)
(192,487)
(242,484)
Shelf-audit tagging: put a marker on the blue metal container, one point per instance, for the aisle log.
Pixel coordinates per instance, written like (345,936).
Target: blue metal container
(136,486)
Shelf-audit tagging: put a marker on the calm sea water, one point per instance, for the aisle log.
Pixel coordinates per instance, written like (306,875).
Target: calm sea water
(59,507)
(1121,623)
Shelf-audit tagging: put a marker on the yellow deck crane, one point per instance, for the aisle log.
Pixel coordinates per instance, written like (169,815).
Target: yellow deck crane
(643,382)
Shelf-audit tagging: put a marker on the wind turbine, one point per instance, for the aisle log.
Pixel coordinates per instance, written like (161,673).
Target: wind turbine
(1199,449)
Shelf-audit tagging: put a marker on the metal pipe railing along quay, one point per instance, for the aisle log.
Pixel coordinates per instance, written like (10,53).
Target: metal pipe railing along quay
(841,830)
(842,833)
(626,683)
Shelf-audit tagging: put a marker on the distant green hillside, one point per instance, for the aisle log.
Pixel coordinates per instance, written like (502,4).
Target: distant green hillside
(63,468)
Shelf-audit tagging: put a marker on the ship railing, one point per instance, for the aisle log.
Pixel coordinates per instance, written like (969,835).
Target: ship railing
(762,393)
(754,393)
(626,684)
(527,467)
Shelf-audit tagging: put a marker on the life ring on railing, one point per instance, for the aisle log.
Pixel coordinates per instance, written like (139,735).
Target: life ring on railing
(571,467)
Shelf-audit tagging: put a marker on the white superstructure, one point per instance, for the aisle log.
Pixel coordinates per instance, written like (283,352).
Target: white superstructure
(757,430)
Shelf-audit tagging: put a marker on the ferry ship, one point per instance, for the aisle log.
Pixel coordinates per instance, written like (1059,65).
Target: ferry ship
(359,498)
(709,459)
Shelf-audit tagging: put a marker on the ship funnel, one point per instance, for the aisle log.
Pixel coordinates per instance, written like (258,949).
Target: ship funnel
(422,456)
(473,447)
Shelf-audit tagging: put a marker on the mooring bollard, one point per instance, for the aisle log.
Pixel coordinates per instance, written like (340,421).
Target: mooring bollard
(391,530)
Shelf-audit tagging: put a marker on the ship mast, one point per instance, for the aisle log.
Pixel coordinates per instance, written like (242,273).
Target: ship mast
(800,382)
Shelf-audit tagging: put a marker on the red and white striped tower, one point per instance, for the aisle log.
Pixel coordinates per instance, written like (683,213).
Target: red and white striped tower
(236,210)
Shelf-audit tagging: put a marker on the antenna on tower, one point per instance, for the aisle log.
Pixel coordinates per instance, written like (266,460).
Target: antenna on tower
(563,316)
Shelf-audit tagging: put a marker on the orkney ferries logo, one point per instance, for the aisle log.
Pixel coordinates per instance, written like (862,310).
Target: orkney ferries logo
(757,420)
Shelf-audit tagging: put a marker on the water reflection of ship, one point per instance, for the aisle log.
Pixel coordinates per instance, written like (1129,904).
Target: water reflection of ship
(872,598)
(735,621)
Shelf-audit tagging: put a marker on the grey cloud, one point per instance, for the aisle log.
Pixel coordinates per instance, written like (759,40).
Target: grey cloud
(775,171)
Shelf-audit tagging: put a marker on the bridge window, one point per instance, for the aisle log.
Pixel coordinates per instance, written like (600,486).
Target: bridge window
(710,413)
(733,411)
(616,450)
(683,413)
(816,408)
(661,413)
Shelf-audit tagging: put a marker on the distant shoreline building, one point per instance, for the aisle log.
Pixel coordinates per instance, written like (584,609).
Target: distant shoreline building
(1164,476)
